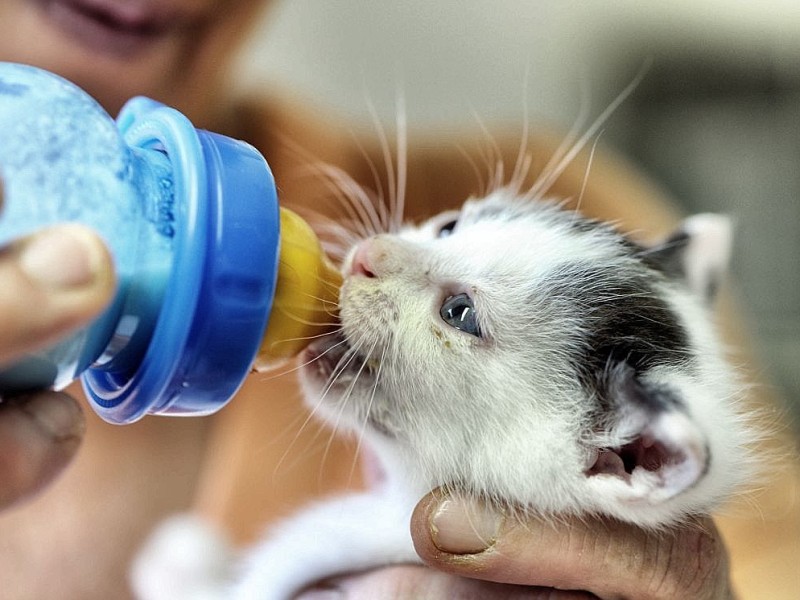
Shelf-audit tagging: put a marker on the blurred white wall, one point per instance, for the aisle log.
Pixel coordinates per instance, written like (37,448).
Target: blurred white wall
(451,57)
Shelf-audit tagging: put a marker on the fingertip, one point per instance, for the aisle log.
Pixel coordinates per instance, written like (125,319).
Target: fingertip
(421,532)
(449,529)
(66,258)
(66,272)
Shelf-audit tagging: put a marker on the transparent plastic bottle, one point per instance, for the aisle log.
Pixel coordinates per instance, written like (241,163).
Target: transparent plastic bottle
(192,221)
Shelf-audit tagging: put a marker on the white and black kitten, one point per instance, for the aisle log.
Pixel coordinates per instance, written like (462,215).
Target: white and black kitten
(512,351)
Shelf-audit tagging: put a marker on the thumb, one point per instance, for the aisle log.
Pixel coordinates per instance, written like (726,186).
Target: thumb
(50,283)
(607,558)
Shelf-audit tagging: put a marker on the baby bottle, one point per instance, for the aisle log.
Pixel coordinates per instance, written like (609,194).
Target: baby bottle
(204,256)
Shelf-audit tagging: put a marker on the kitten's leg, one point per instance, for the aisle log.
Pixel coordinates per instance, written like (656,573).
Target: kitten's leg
(344,535)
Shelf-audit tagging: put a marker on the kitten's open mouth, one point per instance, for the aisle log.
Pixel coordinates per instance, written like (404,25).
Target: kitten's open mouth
(332,358)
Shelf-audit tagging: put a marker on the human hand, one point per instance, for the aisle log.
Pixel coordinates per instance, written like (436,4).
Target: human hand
(478,553)
(50,283)
(571,558)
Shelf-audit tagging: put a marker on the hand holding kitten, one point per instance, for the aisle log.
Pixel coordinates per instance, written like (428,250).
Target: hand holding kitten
(586,558)
(607,558)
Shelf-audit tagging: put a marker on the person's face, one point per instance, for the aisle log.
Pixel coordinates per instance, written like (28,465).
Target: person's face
(175,51)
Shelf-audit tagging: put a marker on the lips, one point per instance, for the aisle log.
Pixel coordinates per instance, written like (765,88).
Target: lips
(116,28)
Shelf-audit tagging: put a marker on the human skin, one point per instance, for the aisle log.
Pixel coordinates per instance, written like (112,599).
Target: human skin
(181,59)
(579,558)
(40,433)
(185,65)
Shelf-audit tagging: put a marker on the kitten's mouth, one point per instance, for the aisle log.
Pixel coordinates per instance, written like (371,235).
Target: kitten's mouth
(332,359)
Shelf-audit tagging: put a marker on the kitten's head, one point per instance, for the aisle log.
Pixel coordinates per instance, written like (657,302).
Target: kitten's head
(538,358)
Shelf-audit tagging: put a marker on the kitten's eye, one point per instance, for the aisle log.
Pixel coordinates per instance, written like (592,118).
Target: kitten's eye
(459,312)
(447,229)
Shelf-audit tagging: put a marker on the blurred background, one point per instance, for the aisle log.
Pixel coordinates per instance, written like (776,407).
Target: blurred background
(716,121)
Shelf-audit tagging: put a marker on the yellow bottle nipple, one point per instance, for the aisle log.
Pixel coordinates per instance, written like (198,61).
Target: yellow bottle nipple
(306,294)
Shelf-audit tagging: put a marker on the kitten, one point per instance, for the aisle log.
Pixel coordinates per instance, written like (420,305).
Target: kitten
(512,351)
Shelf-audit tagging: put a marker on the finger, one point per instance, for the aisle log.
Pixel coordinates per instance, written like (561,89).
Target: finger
(39,435)
(51,282)
(608,558)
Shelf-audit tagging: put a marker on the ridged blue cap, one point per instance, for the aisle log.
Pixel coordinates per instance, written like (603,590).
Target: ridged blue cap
(219,293)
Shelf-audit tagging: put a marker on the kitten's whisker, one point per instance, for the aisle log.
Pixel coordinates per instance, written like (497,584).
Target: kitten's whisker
(402,162)
(556,161)
(298,319)
(345,189)
(299,429)
(584,183)
(523,162)
(353,199)
(380,204)
(314,166)
(358,196)
(341,365)
(482,186)
(367,412)
(388,162)
(299,366)
(311,338)
(351,196)
(346,396)
(550,178)
(494,160)
(336,240)
(322,397)
(518,179)
(327,226)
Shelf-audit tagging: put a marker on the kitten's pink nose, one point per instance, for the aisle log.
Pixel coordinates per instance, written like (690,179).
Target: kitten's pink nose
(361,260)
(384,255)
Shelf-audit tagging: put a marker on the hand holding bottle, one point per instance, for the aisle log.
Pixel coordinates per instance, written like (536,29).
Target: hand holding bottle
(51,282)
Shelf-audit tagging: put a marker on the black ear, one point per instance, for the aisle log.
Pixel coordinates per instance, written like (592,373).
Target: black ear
(648,449)
(698,253)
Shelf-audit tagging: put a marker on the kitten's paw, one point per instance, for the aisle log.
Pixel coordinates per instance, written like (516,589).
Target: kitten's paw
(184,559)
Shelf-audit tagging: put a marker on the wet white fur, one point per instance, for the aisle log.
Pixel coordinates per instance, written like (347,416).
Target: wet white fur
(497,416)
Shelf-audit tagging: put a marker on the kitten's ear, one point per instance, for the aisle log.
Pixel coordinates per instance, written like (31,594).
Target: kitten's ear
(648,448)
(698,252)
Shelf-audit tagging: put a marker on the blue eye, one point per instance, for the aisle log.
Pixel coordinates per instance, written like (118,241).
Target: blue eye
(459,312)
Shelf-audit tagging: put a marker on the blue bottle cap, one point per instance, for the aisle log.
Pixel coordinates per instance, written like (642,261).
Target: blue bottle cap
(219,294)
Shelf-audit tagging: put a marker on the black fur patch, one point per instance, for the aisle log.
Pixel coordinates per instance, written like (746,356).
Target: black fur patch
(584,225)
(624,321)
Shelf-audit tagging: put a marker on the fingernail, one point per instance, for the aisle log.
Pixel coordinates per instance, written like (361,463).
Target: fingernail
(464,526)
(58,415)
(60,258)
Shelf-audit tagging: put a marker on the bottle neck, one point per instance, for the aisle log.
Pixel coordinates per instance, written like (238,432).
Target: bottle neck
(143,271)
(209,316)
